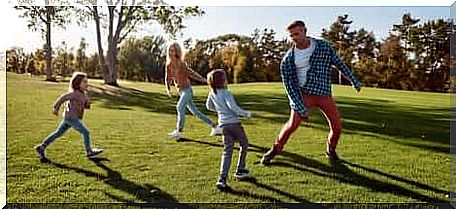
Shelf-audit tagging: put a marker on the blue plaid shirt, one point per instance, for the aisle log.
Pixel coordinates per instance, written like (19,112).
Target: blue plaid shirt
(318,81)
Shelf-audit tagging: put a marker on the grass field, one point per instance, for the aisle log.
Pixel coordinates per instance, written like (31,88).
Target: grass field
(396,144)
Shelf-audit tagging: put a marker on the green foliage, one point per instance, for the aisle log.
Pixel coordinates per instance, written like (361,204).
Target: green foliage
(142,59)
(37,20)
(414,56)
(245,59)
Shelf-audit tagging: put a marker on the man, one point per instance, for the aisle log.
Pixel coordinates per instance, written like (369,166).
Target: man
(306,74)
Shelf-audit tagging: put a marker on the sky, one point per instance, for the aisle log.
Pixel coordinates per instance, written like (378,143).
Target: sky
(222,20)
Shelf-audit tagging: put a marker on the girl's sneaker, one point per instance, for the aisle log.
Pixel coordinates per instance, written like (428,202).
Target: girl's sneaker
(40,150)
(221,183)
(242,174)
(216,131)
(94,153)
(175,134)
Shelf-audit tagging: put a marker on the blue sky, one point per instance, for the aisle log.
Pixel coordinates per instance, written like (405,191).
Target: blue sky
(242,20)
(239,20)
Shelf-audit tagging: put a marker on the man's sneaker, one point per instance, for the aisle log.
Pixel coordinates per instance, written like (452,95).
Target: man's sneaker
(94,153)
(332,156)
(40,150)
(266,159)
(175,134)
(216,131)
(242,174)
(221,183)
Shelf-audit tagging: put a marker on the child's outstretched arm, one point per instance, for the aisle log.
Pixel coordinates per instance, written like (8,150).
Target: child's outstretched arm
(209,103)
(231,103)
(63,98)
(194,75)
(87,103)
(168,80)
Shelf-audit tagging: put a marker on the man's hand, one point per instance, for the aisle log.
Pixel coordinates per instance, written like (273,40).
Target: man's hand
(358,88)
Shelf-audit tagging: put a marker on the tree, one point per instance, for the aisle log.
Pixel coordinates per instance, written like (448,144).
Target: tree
(15,60)
(123,20)
(142,59)
(64,60)
(394,70)
(41,18)
(93,66)
(81,58)
(404,30)
(366,48)
(342,40)
(430,44)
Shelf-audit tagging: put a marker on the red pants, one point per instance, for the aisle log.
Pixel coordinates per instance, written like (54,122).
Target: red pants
(327,106)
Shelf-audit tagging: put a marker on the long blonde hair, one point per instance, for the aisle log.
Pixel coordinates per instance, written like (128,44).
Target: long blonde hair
(179,53)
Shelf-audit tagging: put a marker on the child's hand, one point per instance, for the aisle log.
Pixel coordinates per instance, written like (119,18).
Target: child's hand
(87,104)
(249,115)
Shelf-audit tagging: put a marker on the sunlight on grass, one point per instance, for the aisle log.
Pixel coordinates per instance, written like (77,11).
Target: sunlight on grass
(395,143)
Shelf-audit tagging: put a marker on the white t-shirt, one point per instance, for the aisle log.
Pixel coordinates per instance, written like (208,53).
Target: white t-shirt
(302,57)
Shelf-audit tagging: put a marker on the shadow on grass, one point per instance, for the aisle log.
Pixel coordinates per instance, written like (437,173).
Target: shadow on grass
(245,193)
(200,142)
(397,178)
(424,128)
(270,199)
(144,193)
(123,98)
(278,191)
(345,175)
(342,174)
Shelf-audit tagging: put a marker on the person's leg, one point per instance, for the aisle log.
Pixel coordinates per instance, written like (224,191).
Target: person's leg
(290,127)
(329,109)
(228,142)
(76,124)
(62,128)
(180,107)
(195,111)
(244,144)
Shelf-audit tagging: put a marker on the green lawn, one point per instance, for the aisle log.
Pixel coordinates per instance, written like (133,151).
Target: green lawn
(396,144)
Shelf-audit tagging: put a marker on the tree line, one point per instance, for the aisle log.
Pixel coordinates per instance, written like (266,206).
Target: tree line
(413,56)
(120,21)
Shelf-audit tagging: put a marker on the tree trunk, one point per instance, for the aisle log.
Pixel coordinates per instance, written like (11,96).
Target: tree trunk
(111,74)
(48,49)
(101,58)
(111,78)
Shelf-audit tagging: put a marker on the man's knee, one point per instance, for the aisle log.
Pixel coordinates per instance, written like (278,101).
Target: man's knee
(336,130)
(293,124)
